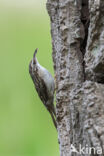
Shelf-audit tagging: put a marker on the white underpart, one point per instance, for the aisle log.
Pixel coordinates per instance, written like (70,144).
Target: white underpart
(47,77)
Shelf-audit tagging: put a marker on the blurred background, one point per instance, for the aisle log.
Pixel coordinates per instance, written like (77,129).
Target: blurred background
(26,128)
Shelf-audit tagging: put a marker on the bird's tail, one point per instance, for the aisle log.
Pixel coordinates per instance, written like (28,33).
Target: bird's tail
(53,118)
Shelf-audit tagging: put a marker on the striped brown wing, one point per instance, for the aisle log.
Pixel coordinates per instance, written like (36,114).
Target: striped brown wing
(39,85)
(41,89)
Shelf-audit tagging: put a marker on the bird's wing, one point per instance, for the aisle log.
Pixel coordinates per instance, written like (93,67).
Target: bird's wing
(39,83)
(41,88)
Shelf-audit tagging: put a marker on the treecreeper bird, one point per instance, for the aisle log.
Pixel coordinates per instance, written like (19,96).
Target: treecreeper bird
(44,84)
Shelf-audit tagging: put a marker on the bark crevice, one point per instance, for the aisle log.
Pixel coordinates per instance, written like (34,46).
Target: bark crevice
(85,19)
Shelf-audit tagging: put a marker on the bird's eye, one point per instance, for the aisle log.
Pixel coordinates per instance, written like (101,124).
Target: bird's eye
(34,63)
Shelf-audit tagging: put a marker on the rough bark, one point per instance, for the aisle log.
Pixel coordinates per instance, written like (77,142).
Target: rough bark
(77,29)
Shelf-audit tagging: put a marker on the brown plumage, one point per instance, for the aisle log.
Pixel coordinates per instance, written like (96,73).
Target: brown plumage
(44,84)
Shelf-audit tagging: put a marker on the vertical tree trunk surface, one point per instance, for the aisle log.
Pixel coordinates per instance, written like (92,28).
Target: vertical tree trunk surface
(77,29)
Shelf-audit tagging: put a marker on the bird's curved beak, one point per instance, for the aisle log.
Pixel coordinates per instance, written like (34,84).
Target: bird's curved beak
(35,53)
(34,56)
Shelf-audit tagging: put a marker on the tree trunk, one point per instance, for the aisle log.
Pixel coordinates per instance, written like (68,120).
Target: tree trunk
(77,29)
